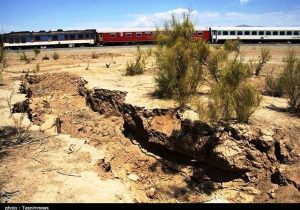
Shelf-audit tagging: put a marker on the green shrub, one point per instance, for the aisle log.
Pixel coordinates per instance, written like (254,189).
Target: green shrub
(291,79)
(1,77)
(274,85)
(265,56)
(37,68)
(179,61)
(55,56)
(36,51)
(3,60)
(175,29)
(2,53)
(232,45)
(220,106)
(24,57)
(134,69)
(245,101)
(233,96)
(138,67)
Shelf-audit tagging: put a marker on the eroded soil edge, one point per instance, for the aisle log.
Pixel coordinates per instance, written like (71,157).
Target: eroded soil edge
(167,148)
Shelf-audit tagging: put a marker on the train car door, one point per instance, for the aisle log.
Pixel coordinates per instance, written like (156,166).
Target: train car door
(100,39)
(214,34)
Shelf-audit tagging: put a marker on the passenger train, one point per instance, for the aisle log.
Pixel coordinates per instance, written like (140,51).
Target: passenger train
(92,37)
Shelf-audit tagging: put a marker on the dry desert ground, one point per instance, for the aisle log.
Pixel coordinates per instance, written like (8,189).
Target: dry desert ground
(79,144)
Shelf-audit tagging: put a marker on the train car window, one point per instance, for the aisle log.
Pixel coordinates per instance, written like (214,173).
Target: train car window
(112,35)
(240,32)
(54,37)
(289,33)
(247,33)
(282,33)
(80,36)
(128,34)
(72,36)
(17,40)
(23,40)
(87,36)
(219,33)
(254,33)
(225,33)
(261,33)
(268,33)
(37,38)
(232,33)
(275,33)
(148,33)
(296,33)
(139,34)
(66,37)
(11,40)
(200,33)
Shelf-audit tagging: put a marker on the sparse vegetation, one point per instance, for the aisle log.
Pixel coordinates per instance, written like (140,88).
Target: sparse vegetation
(36,51)
(22,130)
(182,66)
(265,56)
(37,68)
(232,46)
(9,102)
(2,52)
(246,99)
(3,60)
(274,85)
(45,58)
(22,134)
(180,70)
(233,96)
(1,77)
(291,79)
(55,56)
(138,67)
(24,57)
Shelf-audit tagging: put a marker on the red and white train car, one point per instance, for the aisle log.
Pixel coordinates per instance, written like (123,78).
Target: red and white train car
(203,33)
(126,36)
(141,36)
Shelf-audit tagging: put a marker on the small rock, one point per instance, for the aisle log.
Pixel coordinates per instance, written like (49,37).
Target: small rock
(104,133)
(106,167)
(133,177)
(151,193)
(272,195)
(264,132)
(81,129)
(266,141)
(279,178)
(51,125)
(251,190)
(103,163)
(279,134)
(272,191)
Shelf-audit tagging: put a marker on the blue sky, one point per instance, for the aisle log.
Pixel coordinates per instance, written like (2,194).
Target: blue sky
(35,15)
